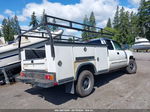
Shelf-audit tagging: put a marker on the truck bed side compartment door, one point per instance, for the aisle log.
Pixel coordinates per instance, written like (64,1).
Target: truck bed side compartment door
(101,55)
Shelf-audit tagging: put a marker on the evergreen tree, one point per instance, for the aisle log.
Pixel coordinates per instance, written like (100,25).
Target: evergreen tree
(42,21)
(116,19)
(128,36)
(130,25)
(144,19)
(86,22)
(8,31)
(122,26)
(53,28)
(42,17)
(11,30)
(12,25)
(141,18)
(34,21)
(4,28)
(15,25)
(115,32)
(133,26)
(147,18)
(92,22)
(109,23)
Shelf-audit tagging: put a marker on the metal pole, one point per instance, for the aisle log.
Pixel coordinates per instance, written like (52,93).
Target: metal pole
(51,42)
(19,47)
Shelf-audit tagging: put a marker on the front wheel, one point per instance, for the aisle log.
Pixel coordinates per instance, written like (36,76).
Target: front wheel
(132,67)
(85,83)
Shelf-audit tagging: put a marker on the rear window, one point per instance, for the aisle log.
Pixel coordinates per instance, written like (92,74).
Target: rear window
(95,42)
(34,54)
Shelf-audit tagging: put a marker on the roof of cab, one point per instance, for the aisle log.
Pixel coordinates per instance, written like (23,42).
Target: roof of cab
(103,38)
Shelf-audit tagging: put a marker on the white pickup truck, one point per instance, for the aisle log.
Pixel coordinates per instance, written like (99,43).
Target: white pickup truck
(74,64)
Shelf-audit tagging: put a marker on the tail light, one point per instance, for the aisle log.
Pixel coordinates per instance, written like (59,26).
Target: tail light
(55,84)
(22,74)
(49,77)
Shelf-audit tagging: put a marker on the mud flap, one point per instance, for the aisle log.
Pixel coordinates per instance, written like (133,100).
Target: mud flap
(69,88)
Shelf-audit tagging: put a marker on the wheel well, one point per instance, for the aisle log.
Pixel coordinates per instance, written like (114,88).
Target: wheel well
(89,67)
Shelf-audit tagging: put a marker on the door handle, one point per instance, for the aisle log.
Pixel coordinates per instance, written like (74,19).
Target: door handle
(118,53)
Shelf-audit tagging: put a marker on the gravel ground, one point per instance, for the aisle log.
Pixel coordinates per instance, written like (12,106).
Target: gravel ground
(112,91)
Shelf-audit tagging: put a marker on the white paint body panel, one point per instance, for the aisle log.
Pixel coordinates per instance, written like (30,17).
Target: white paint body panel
(67,54)
(117,60)
(101,53)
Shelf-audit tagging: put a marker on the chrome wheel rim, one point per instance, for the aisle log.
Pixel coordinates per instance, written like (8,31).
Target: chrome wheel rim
(86,83)
(131,66)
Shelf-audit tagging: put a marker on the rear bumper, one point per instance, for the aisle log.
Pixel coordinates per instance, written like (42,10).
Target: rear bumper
(24,79)
(35,80)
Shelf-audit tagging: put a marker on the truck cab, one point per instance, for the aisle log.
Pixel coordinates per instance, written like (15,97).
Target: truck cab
(118,57)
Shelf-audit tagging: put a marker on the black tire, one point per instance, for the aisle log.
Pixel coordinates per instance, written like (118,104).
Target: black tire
(132,67)
(85,83)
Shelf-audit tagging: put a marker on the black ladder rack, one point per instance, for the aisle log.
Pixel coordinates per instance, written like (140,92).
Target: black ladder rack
(68,25)
(73,25)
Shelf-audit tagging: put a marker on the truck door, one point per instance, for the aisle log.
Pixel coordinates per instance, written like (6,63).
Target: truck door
(120,54)
(113,60)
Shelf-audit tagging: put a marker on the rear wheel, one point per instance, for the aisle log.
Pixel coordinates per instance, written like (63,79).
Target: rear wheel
(132,67)
(85,83)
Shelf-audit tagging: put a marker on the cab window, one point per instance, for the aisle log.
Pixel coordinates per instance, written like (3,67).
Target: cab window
(109,45)
(117,45)
(95,42)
